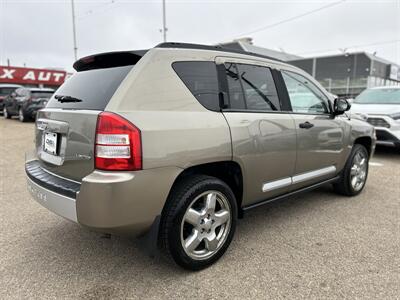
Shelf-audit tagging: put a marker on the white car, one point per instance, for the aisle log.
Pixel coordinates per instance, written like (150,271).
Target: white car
(380,106)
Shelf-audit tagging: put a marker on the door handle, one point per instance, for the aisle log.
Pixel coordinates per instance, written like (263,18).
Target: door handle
(306,125)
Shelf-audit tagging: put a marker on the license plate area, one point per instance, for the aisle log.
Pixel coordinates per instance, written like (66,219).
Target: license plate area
(50,142)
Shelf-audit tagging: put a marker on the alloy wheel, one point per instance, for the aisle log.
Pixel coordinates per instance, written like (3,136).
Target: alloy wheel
(358,171)
(205,225)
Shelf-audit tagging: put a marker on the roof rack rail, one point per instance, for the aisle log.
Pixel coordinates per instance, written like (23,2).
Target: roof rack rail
(212,48)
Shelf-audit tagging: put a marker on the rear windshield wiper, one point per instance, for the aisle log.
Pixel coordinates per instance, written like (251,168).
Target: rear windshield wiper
(62,98)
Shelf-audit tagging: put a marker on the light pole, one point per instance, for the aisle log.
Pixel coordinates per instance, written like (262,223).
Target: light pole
(74,30)
(164,29)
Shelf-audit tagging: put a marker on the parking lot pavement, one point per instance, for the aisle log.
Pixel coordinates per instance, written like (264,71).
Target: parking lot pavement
(317,245)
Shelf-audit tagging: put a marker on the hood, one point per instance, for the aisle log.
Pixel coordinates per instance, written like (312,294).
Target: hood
(375,109)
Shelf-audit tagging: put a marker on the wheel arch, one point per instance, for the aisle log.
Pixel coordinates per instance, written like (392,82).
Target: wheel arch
(366,141)
(229,172)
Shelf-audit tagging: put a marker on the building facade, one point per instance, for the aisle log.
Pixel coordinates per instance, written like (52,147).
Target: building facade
(345,74)
(350,73)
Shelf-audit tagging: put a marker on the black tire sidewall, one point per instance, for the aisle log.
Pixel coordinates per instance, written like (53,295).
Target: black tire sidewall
(186,198)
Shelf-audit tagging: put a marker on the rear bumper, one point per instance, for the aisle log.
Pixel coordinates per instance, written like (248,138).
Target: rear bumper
(57,203)
(123,203)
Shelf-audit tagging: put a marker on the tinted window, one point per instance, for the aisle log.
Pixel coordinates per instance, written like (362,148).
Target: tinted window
(94,87)
(42,94)
(6,91)
(304,96)
(259,88)
(200,77)
(236,98)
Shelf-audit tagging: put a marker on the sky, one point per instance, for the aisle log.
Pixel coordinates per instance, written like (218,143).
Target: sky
(38,33)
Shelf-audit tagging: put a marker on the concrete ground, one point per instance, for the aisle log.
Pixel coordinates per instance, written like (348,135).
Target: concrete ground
(318,245)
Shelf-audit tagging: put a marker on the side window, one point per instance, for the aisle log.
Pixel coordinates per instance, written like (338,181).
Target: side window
(236,98)
(304,96)
(251,87)
(200,77)
(259,88)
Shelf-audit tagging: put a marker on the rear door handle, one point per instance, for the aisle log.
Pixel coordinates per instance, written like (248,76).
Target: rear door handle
(306,125)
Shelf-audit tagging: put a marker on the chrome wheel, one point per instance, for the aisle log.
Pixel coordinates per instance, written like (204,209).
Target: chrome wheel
(358,171)
(205,225)
(21,115)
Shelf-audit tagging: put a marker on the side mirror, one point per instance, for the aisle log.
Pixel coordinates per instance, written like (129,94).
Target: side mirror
(340,106)
(13,94)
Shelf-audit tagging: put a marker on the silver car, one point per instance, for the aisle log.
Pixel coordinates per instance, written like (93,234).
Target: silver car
(380,106)
(178,142)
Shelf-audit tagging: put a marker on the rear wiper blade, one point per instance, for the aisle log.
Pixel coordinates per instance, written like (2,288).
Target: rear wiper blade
(62,98)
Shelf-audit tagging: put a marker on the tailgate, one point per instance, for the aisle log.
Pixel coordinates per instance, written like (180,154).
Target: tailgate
(66,128)
(65,141)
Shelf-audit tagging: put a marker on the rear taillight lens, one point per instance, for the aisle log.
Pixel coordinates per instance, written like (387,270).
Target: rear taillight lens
(118,144)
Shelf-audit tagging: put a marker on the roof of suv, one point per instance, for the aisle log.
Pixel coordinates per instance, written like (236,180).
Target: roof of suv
(9,85)
(124,58)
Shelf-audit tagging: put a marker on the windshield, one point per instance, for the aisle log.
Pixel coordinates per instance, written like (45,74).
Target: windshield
(94,87)
(379,96)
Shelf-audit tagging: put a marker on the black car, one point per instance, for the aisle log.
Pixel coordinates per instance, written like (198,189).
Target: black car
(25,102)
(5,90)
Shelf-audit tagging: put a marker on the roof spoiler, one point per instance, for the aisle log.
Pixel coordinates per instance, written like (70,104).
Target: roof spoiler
(109,60)
(213,48)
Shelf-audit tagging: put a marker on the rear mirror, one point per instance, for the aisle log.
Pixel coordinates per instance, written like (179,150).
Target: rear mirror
(341,106)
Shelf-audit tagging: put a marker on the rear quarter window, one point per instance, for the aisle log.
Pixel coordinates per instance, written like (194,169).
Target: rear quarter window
(200,77)
(94,87)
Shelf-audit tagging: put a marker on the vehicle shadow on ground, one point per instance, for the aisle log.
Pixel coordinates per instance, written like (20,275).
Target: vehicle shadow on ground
(86,253)
(386,152)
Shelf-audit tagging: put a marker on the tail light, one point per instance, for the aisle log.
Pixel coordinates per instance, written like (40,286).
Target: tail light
(118,144)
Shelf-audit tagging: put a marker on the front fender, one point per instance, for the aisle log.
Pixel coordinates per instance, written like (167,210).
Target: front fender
(362,129)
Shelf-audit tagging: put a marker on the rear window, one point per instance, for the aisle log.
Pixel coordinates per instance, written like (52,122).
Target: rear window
(94,87)
(200,77)
(42,94)
(5,91)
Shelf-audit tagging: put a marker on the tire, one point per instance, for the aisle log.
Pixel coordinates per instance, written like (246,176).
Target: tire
(6,114)
(21,115)
(354,168)
(214,228)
